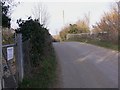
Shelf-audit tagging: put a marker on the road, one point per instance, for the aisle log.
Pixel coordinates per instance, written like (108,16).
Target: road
(86,66)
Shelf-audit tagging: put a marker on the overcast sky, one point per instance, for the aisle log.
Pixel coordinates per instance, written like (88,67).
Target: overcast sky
(73,11)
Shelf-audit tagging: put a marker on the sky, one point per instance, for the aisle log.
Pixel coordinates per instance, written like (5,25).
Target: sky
(74,10)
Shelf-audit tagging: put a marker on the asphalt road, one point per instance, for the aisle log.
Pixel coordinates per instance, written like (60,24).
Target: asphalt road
(86,66)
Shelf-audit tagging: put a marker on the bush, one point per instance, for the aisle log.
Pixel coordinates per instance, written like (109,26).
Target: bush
(33,31)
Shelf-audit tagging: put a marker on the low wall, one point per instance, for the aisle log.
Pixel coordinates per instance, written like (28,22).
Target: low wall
(80,36)
(98,36)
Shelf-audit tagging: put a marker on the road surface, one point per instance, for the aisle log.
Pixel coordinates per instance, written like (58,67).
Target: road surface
(86,66)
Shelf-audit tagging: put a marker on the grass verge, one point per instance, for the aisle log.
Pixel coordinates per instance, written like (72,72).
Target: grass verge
(105,44)
(44,75)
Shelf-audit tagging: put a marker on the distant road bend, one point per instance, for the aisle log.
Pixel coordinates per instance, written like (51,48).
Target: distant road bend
(86,66)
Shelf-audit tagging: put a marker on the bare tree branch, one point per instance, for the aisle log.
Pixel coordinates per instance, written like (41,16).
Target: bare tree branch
(40,12)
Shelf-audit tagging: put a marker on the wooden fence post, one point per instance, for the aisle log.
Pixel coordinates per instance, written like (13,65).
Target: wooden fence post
(19,58)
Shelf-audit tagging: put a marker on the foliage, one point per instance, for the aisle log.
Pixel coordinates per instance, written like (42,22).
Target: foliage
(100,43)
(64,32)
(5,19)
(40,64)
(55,38)
(35,32)
(7,36)
(109,24)
(73,29)
(7,8)
(81,26)
(44,75)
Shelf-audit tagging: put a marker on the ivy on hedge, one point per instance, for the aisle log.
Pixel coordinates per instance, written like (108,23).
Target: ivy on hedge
(35,32)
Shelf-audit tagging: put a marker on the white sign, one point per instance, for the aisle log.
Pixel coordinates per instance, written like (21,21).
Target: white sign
(10,53)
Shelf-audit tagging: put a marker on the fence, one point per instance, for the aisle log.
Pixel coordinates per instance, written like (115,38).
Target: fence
(13,71)
(1,58)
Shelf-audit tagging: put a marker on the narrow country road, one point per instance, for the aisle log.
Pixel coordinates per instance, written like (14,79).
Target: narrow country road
(86,66)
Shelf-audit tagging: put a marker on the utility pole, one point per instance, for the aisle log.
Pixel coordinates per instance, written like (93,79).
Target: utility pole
(63,18)
(118,4)
(89,18)
(118,13)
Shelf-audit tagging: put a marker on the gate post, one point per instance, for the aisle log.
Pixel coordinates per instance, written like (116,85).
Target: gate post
(19,59)
(1,68)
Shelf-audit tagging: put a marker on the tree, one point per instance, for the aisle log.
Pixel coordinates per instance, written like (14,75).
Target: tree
(5,18)
(73,29)
(40,12)
(109,23)
(7,8)
(64,32)
(82,26)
